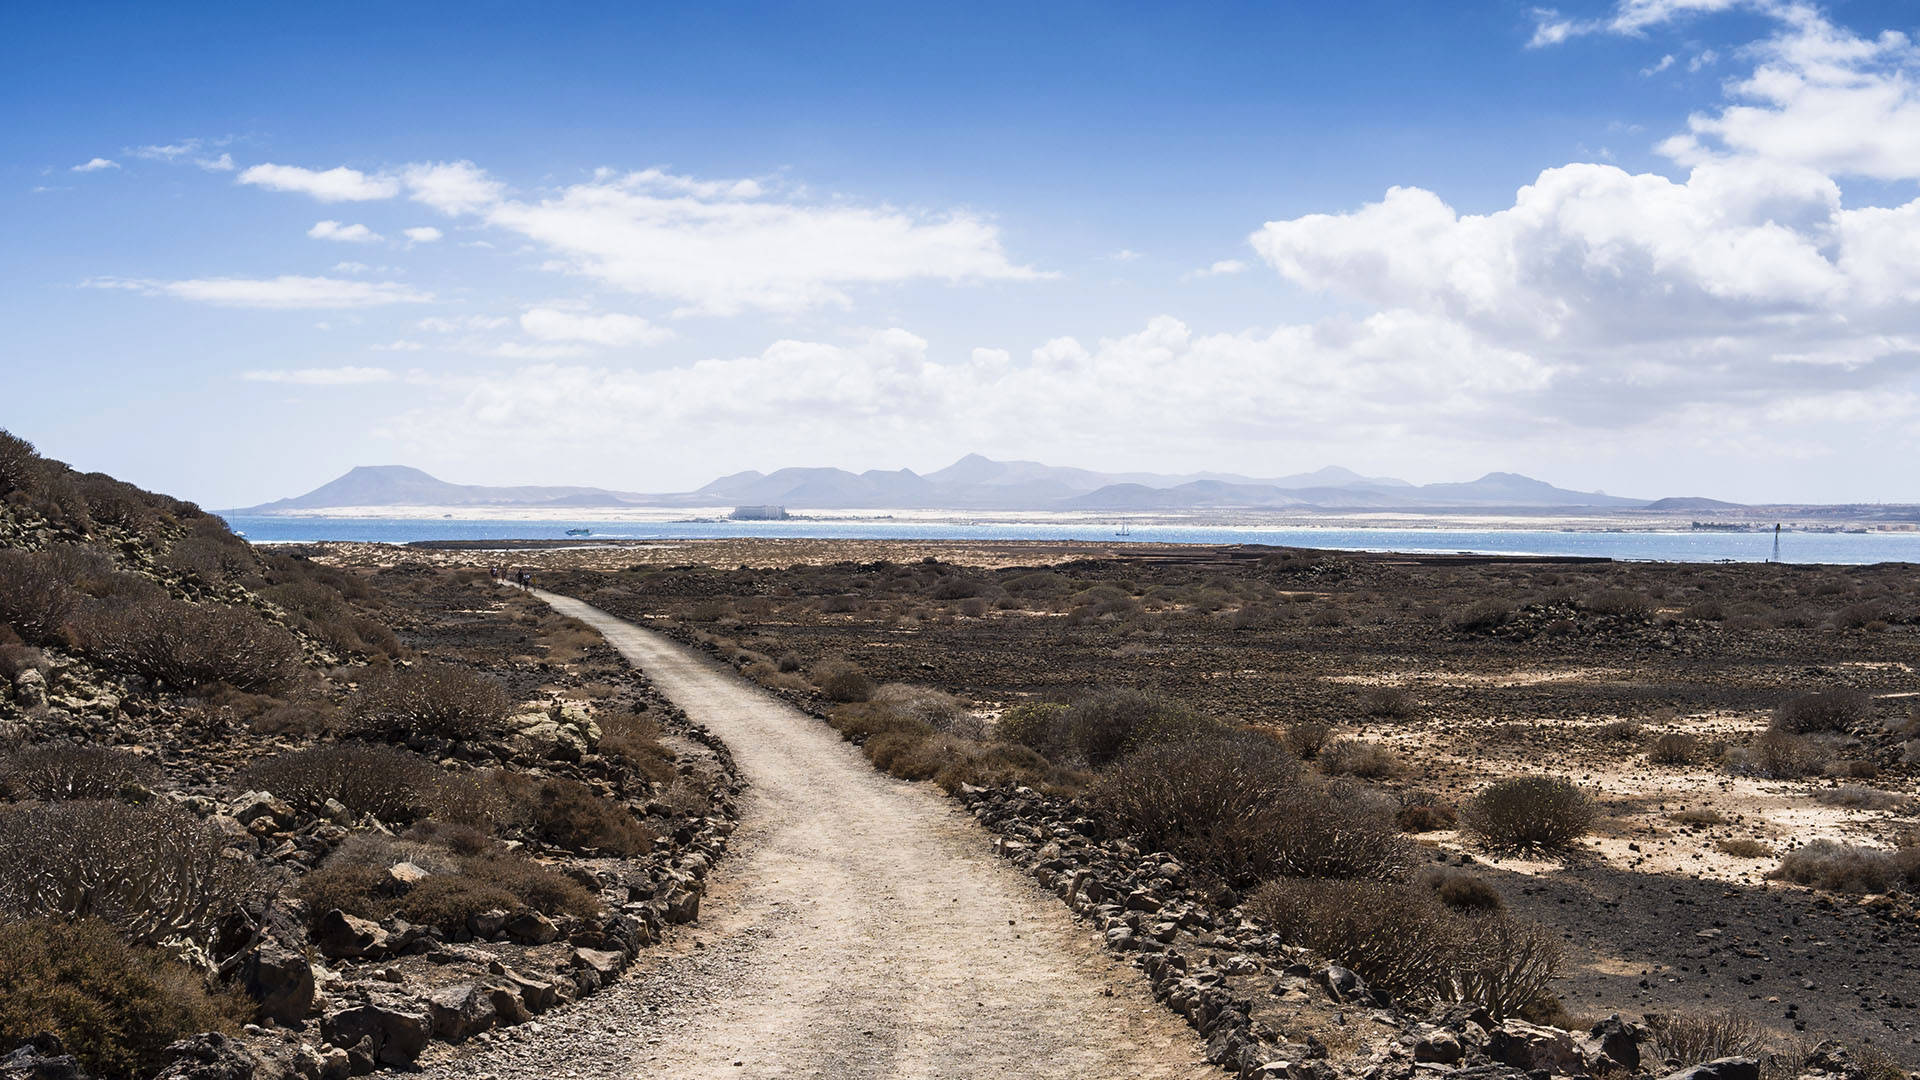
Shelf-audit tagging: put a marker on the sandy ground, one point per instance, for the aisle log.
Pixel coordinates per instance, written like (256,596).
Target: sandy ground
(860,928)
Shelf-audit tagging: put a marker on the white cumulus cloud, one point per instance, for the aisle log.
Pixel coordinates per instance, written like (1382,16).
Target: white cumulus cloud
(336,376)
(550,324)
(339,184)
(422,234)
(351,234)
(95,165)
(286,291)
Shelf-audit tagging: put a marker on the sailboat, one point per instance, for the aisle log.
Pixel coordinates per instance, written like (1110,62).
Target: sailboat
(1124,530)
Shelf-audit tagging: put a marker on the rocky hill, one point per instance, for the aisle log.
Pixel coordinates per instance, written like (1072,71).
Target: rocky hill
(262,817)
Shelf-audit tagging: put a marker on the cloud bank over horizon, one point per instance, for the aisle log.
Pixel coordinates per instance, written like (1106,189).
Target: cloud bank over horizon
(1755,296)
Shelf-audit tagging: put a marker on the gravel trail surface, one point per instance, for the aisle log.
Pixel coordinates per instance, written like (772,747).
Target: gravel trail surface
(858,927)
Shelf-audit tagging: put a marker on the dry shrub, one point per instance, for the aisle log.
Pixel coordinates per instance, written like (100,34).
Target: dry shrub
(842,682)
(635,740)
(1098,729)
(789,663)
(1420,813)
(152,872)
(1745,848)
(1239,806)
(1695,1037)
(187,645)
(1674,748)
(1698,817)
(569,814)
(1530,813)
(1827,710)
(1353,757)
(430,699)
(1307,738)
(1621,603)
(54,771)
(1033,724)
(859,722)
(1481,616)
(355,879)
(1777,755)
(1388,703)
(391,784)
(1837,867)
(113,1005)
(940,711)
(33,598)
(17,462)
(1406,943)
(1860,797)
(1619,731)
(1462,890)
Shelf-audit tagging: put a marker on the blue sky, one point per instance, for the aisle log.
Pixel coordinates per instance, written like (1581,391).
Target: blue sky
(651,246)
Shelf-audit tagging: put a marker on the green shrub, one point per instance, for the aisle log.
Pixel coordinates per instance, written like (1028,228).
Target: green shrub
(114,1006)
(1827,710)
(1530,813)
(432,700)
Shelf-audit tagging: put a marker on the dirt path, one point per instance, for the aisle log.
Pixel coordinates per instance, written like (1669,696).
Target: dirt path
(859,927)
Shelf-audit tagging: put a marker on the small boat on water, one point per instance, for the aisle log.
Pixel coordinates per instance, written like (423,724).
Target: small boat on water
(579,532)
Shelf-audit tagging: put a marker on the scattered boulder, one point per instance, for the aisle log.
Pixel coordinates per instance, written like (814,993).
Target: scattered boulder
(531,928)
(280,980)
(210,1056)
(42,1057)
(1533,1048)
(1727,1068)
(1616,1040)
(395,1029)
(407,875)
(340,936)
(30,689)
(461,1011)
(563,732)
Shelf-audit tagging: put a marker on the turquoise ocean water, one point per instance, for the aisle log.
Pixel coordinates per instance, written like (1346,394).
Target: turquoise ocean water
(1688,546)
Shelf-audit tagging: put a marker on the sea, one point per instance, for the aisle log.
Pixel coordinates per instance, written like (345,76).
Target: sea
(1672,546)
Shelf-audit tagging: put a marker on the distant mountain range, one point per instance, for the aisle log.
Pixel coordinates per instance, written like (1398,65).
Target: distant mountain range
(979,483)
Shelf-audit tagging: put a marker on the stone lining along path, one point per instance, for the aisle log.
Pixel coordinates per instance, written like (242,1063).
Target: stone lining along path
(860,926)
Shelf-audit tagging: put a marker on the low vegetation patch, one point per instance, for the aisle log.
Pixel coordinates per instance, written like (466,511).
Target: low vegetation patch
(1848,868)
(431,700)
(1407,943)
(1530,814)
(1239,806)
(113,1005)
